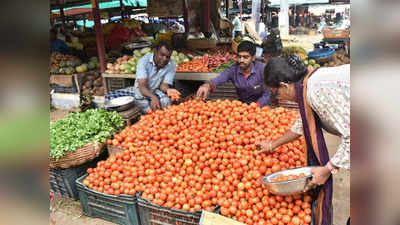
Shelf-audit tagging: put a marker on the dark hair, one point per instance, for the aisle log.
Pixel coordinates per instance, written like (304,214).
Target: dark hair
(247,46)
(273,44)
(161,44)
(288,69)
(54,31)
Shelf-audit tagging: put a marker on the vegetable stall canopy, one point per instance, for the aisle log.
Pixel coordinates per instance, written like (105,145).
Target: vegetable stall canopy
(106,5)
(318,10)
(276,3)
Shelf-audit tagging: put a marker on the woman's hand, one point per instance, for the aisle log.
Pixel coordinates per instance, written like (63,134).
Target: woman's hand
(319,176)
(264,146)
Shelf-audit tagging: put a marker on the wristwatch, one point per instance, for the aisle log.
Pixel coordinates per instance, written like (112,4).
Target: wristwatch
(330,167)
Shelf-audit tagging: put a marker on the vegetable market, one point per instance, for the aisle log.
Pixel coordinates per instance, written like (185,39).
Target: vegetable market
(176,110)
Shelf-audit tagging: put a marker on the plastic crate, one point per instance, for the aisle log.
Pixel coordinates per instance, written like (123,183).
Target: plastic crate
(116,83)
(60,83)
(59,89)
(62,181)
(322,55)
(122,209)
(152,214)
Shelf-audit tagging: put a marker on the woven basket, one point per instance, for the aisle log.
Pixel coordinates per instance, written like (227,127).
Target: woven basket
(336,34)
(235,46)
(84,154)
(62,80)
(114,149)
(201,44)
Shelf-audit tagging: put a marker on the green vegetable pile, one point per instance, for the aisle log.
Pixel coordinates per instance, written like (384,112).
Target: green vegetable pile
(79,129)
(224,66)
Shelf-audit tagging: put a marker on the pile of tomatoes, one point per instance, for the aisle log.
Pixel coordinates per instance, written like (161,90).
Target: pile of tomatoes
(282,177)
(195,155)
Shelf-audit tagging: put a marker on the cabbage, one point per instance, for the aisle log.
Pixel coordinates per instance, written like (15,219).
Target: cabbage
(92,65)
(174,53)
(137,53)
(84,66)
(144,51)
(181,55)
(132,61)
(125,66)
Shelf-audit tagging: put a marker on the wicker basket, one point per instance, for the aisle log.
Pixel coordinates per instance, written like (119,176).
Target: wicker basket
(336,34)
(82,155)
(62,80)
(235,46)
(201,44)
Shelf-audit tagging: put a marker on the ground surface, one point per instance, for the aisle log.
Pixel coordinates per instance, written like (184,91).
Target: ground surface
(64,211)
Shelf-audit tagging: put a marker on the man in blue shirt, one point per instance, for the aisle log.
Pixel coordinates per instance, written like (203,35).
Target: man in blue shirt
(57,45)
(154,74)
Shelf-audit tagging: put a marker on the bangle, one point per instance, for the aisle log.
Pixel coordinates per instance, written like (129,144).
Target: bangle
(329,166)
(270,146)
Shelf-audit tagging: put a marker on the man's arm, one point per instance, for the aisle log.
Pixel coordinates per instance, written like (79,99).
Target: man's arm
(169,80)
(224,77)
(154,101)
(210,86)
(264,99)
(144,90)
(164,87)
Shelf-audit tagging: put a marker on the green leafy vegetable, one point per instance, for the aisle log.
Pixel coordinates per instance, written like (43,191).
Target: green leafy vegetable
(79,129)
(224,66)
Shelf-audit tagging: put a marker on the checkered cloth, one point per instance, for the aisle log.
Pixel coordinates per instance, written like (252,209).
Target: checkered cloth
(129,91)
(143,103)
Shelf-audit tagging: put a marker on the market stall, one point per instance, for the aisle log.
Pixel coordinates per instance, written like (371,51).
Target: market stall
(192,70)
(176,164)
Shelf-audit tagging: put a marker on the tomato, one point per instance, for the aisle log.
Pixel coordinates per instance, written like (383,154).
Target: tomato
(197,154)
(307,219)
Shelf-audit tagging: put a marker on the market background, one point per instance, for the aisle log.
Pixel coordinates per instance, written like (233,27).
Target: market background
(375,108)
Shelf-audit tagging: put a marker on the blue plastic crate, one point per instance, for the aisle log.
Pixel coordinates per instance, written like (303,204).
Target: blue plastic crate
(321,53)
(59,89)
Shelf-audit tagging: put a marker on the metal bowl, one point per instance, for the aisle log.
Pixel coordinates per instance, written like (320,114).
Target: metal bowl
(120,104)
(288,187)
